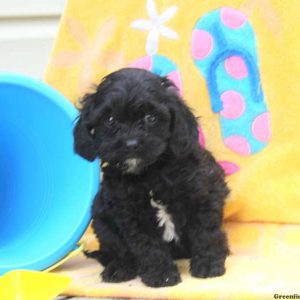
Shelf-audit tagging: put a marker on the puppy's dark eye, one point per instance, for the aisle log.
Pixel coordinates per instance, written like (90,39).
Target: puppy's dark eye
(150,119)
(110,121)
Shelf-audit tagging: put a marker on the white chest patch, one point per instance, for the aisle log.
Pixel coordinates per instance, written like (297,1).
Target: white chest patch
(164,220)
(132,164)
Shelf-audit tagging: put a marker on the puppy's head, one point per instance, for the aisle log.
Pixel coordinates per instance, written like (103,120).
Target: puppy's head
(133,118)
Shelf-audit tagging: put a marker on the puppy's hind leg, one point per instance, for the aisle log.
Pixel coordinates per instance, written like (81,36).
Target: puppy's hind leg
(113,254)
(209,251)
(208,243)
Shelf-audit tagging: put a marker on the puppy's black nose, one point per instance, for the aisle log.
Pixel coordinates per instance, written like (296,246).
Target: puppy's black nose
(132,144)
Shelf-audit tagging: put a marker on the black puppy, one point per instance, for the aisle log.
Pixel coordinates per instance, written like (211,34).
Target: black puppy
(162,195)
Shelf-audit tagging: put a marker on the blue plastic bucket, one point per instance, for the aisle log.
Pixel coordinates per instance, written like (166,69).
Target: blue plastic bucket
(46,190)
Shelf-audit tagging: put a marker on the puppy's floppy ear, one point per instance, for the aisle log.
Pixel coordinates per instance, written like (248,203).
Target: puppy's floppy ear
(184,127)
(84,143)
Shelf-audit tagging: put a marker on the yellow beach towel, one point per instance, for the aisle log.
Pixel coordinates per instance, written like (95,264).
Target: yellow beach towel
(237,65)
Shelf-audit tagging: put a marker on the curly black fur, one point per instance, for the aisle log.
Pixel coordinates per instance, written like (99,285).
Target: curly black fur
(147,140)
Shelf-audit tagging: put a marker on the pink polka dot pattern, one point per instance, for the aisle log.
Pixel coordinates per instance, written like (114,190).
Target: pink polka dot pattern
(261,127)
(233,104)
(238,144)
(202,44)
(228,167)
(236,67)
(201,137)
(175,77)
(232,18)
(142,63)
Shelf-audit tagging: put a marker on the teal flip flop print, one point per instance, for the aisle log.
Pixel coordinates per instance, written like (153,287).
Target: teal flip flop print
(223,48)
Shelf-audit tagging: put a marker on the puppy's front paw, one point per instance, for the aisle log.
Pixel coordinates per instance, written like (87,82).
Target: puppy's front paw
(162,277)
(118,272)
(207,267)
